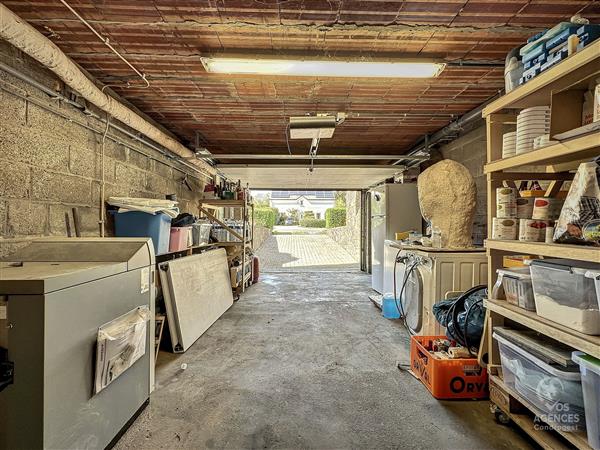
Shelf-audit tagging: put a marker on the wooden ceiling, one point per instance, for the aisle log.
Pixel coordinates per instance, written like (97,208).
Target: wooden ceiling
(248,114)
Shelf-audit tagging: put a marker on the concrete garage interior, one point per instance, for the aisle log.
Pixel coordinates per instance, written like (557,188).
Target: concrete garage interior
(175,110)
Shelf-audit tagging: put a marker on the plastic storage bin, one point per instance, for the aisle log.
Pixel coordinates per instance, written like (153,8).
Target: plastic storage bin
(595,275)
(141,224)
(555,391)
(179,238)
(590,380)
(449,379)
(389,308)
(565,295)
(201,233)
(517,287)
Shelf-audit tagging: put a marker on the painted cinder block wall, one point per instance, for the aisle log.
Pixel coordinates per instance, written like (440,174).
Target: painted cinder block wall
(49,163)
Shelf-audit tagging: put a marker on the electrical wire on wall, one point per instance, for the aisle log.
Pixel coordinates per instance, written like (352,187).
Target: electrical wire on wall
(103,179)
(106,42)
(287,138)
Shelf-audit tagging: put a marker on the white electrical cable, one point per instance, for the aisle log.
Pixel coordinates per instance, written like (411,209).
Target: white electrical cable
(106,42)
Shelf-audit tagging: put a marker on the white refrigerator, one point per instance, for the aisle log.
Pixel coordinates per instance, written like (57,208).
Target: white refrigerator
(394,208)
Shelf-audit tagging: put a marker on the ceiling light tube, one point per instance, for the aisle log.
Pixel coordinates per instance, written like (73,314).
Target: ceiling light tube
(323,68)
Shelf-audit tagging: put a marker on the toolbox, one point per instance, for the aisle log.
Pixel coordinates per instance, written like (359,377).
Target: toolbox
(447,379)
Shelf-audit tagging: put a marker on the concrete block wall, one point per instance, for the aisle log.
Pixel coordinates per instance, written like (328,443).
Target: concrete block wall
(470,150)
(50,162)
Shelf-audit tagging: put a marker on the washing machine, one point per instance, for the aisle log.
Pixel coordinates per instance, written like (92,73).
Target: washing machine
(425,275)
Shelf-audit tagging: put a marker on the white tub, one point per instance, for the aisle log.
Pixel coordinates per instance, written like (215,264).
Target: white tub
(555,392)
(590,380)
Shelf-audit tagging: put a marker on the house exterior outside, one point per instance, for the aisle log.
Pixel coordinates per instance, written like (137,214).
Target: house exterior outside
(315,201)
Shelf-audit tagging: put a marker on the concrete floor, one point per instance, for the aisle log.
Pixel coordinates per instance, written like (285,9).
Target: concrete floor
(304,360)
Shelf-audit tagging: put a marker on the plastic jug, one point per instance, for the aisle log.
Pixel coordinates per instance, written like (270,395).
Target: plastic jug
(389,307)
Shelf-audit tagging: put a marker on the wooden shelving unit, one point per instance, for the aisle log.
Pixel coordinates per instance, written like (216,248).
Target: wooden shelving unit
(579,341)
(580,253)
(522,412)
(219,203)
(582,147)
(560,87)
(570,72)
(247,217)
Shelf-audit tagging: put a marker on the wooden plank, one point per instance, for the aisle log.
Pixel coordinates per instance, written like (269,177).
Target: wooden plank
(220,222)
(482,354)
(568,251)
(554,188)
(158,332)
(577,438)
(583,342)
(582,147)
(222,203)
(566,110)
(544,439)
(548,350)
(495,128)
(570,165)
(520,176)
(582,65)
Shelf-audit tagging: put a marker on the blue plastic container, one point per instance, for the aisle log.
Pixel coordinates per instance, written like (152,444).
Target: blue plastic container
(141,224)
(389,307)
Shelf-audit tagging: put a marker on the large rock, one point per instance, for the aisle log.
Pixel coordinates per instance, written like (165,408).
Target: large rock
(448,196)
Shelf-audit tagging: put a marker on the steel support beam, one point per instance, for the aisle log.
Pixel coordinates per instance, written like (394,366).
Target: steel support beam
(282,156)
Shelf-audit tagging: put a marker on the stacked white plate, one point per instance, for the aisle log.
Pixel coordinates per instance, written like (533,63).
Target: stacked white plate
(531,123)
(509,144)
(543,141)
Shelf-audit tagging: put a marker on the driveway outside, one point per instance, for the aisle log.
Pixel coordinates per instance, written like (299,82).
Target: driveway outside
(304,253)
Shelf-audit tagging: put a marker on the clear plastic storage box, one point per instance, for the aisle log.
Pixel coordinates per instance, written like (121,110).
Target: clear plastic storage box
(565,295)
(201,233)
(517,286)
(595,276)
(553,390)
(590,380)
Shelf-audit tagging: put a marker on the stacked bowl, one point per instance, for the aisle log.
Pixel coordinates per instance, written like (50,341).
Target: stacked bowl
(543,141)
(509,144)
(531,123)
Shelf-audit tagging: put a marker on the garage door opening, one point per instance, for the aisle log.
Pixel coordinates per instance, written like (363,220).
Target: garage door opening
(307,231)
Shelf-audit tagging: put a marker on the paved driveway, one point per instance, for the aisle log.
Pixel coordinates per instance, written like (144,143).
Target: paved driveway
(303,252)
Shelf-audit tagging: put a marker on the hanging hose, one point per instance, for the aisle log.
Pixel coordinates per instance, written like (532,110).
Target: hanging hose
(448,315)
(398,298)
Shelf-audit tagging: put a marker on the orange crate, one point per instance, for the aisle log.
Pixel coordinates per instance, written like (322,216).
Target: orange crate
(447,379)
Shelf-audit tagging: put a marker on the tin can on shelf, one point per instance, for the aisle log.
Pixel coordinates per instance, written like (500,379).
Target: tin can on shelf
(546,208)
(506,203)
(504,228)
(524,208)
(532,230)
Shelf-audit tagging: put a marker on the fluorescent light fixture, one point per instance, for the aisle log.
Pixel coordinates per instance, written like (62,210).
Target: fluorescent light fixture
(323,68)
